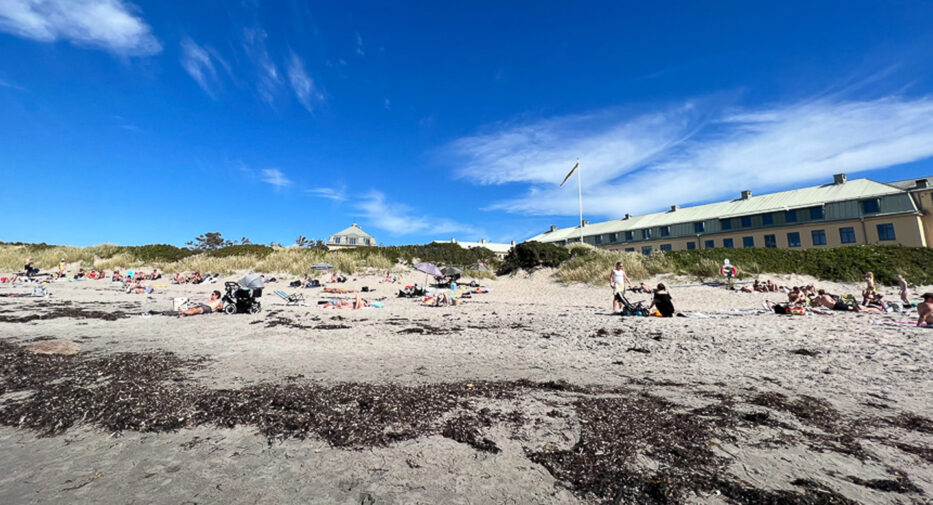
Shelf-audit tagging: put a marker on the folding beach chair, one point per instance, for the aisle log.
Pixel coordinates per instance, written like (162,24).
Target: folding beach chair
(291,300)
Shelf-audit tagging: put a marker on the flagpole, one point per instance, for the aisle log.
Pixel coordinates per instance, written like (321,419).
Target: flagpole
(580,196)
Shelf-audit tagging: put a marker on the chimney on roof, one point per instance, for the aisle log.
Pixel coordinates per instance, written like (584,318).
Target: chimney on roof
(746,194)
(627,216)
(512,243)
(839,178)
(920,183)
(553,228)
(674,208)
(453,240)
(482,241)
(586,222)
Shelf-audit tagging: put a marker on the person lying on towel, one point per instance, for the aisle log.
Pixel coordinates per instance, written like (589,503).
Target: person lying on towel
(215,304)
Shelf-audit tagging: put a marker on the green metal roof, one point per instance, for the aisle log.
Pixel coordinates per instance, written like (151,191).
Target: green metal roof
(812,196)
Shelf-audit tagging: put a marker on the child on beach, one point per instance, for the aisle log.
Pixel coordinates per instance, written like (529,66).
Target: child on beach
(902,285)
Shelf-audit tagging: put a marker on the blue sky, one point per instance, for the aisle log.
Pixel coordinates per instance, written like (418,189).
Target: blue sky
(143,122)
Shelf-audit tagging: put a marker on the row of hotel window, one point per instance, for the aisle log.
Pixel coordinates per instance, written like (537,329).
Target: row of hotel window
(352,241)
(846,236)
(790,216)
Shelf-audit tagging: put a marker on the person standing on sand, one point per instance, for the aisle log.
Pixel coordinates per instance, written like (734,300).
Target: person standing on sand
(617,280)
(925,310)
(902,285)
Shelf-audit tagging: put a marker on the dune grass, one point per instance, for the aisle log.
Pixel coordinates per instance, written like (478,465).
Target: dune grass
(842,264)
(258,258)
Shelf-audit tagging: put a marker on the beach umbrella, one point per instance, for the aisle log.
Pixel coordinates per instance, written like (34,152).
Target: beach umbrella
(429,269)
(449,271)
(322,266)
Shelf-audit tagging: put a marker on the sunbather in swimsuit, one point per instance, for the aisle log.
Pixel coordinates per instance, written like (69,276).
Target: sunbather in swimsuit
(214,305)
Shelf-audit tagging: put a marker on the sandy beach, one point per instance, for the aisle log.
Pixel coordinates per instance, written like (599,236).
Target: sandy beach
(532,393)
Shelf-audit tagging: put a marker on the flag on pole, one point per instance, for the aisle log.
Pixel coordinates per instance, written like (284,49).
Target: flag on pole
(575,166)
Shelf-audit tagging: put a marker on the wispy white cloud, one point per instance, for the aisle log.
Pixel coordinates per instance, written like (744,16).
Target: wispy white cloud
(302,84)
(196,60)
(387,104)
(269,80)
(11,85)
(399,219)
(336,194)
(274,177)
(359,44)
(645,163)
(113,25)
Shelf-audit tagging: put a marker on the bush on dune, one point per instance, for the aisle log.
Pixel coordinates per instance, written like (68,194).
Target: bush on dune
(530,255)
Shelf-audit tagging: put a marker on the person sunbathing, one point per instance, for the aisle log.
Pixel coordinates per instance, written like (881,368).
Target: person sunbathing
(826,300)
(215,304)
(337,303)
(339,291)
(925,310)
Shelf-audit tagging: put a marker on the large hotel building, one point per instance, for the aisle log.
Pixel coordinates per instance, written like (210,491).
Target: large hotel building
(844,212)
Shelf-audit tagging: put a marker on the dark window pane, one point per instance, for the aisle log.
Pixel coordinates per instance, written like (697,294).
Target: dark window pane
(847,235)
(819,237)
(746,221)
(770,241)
(691,246)
(790,216)
(725,224)
(748,242)
(767,219)
(727,243)
(886,232)
(869,206)
(793,239)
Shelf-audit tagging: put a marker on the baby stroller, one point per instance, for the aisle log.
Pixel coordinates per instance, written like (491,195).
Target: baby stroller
(630,309)
(242,296)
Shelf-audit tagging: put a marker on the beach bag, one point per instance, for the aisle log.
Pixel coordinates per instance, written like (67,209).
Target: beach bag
(294,284)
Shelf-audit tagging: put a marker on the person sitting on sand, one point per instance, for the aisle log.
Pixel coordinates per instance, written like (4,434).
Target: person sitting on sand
(116,277)
(441,300)
(389,278)
(155,275)
(29,269)
(62,264)
(138,288)
(215,304)
(662,300)
(81,273)
(796,296)
(617,280)
(869,288)
(925,310)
